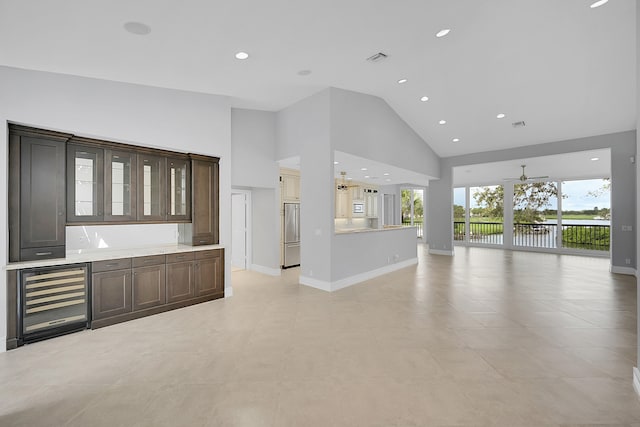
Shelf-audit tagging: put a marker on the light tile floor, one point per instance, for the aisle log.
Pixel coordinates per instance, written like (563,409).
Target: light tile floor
(486,338)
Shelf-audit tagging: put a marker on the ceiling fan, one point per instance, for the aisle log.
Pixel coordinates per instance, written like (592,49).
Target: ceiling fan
(524,177)
(343,185)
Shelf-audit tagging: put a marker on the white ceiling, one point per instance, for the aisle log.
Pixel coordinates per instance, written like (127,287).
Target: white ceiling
(563,167)
(376,171)
(565,69)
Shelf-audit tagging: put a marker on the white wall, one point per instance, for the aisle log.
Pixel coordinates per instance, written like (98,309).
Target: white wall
(265,230)
(304,129)
(440,212)
(356,254)
(366,126)
(358,124)
(254,168)
(623,189)
(140,115)
(253,149)
(638,151)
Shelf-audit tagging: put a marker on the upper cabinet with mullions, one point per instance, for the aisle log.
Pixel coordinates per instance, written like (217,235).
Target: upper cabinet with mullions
(108,183)
(152,186)
(179,189)
(85,183)
(120,185)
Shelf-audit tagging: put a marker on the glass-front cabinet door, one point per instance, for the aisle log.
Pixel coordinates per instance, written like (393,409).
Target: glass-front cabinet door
(120,186)
(151,188)
(85,183)
(179,189)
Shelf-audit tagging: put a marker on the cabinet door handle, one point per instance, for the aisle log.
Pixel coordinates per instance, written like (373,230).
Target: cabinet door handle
(43,253)
(111,265)
(202,241)
(181,257)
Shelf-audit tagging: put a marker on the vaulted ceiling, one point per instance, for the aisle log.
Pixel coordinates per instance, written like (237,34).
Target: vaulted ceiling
(565,69)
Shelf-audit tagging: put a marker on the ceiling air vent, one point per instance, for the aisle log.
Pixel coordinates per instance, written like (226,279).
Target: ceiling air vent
(519,124)
(377,57)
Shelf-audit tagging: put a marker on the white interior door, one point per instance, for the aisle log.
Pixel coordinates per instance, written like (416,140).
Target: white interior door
(239,230)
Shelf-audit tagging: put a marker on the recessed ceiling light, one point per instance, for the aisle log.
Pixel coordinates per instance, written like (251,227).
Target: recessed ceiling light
(386,174)
(137,28)
(388,180)
(363,169)
(366,176)
(443,32)
(304,72)
(336,163)
(593,159)
(349,178)
(456,139)
(424,99)
(242,55)
(442,122)
(501,116)
(402,81)
(598,3)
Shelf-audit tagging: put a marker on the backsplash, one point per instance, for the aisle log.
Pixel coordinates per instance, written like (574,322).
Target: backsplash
(120,236)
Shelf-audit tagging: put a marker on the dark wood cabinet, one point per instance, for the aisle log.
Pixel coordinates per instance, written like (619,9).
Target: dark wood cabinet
(209,272)
(148,287)
(111,294)
(120,185)
(178,189)
(37,205)
(130,288)
(85,183)
(152,188)
(203,229)
(180,281)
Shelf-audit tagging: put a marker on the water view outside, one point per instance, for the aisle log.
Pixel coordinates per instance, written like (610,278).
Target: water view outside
(584,222)
(486,215)
(412,209)
(459,212)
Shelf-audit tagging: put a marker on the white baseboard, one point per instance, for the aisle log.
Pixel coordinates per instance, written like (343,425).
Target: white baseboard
(3,346)
(315,283)
(352,280)
(228,292)
(265,270)
(440,252)
(636,380)
(622,270)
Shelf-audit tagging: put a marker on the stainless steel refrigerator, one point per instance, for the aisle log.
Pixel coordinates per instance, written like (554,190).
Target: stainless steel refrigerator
(291,235)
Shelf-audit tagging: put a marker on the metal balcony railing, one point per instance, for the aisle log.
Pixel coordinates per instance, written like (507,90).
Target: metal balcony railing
(574,236)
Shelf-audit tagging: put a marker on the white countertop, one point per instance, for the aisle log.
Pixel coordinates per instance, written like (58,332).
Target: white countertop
(368,230)
(90,255)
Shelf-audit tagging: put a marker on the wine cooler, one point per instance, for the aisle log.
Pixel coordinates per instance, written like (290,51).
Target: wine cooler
(54,301)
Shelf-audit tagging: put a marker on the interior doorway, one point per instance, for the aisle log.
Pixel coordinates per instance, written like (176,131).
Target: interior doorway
(389,210)
(240,229)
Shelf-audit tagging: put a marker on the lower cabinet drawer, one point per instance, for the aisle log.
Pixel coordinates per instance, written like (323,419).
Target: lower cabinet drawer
(211,253)
(111,264)
(145,261)
(180,257)
(50,252)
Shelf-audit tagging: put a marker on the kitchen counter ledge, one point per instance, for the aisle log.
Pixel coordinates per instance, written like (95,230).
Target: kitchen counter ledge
(368,230)
(90,255)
